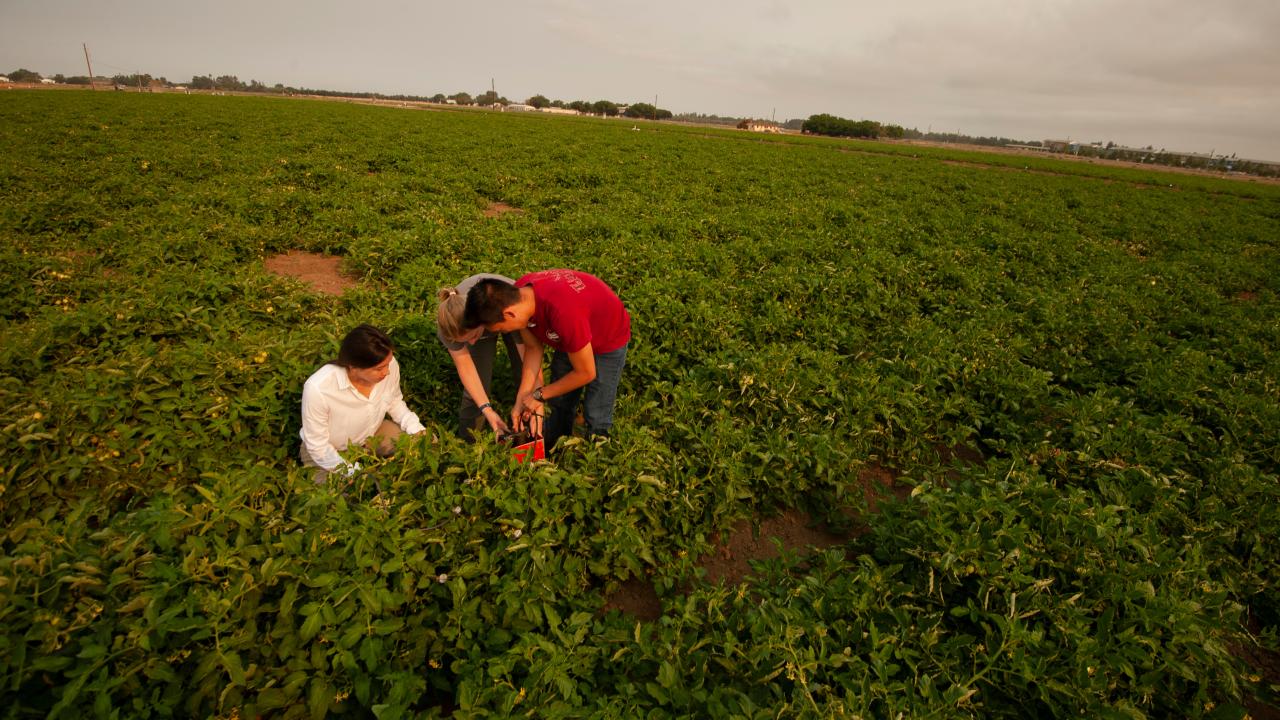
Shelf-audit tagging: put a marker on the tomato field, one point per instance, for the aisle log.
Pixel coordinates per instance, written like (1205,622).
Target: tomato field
(1070,372)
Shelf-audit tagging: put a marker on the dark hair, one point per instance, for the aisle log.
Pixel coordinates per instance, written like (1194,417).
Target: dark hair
(364,347)
(486,301)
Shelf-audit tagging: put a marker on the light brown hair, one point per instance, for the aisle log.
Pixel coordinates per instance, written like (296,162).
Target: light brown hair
(449,315)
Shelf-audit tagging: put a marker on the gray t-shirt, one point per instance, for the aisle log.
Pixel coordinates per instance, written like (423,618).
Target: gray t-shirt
(463,288)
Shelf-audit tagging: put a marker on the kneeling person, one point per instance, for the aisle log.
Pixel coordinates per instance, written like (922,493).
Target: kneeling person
(587,326)
(347,402)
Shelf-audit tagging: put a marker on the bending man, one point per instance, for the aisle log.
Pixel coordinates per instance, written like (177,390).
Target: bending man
(587,326)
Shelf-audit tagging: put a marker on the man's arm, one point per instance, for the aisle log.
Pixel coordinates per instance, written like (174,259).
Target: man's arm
(583,372)
(530,377)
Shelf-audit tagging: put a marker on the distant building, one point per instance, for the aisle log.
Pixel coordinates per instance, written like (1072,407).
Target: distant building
(560,111)
(47,81)
(4,78)
(1057,145)
(764,126)
(520,107)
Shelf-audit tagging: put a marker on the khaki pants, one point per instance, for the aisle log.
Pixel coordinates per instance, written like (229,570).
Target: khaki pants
(382,443)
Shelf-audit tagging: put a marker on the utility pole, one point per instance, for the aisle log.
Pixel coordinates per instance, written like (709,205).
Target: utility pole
(92,84)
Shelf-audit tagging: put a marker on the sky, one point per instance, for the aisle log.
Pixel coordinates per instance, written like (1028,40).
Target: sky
(1185,75)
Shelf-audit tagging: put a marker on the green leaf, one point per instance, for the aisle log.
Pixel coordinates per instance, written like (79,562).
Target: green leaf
(310,627)
(319,696)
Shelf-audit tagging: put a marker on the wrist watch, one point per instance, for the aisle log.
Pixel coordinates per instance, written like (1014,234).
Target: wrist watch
(537,394)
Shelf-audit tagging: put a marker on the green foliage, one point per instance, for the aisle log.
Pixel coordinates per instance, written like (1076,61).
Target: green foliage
(803,309)
(646,111)
(23,75)
(840,127)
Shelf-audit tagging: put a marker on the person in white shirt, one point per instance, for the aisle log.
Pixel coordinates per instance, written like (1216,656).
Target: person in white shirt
(348,400)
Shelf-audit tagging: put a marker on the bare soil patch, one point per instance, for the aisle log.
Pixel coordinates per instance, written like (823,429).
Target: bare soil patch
(636,598)
(794,531)
(1266,664)
(322,272)
(1247,296)
(498,209)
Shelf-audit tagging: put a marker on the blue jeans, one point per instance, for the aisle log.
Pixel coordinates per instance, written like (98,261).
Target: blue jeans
(597,407)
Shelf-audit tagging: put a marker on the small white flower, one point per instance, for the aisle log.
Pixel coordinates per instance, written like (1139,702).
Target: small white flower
(457,509)
(442,578)
(517,533)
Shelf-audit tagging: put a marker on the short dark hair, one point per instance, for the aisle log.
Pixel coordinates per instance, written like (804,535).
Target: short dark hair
(486,301)
(364,347)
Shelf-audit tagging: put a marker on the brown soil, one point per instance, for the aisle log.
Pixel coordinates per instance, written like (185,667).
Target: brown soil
(636,598)
(1247,296)
(1266,663)
(321,272)
(794,531)
(497,209)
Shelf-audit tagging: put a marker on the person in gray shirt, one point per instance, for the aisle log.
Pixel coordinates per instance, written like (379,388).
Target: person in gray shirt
(473,352)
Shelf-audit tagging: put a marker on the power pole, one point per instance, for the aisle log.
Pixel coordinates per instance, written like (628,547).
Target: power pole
(86,62)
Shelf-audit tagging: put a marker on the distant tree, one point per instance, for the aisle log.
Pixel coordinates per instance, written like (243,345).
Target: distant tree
(581,106)
(23,75)
(825,124)
(557,103)
(893,131)
(228,82)
(438,98)
(487,98)
(708,119)
(461,98)
(604,107)
(132,81)
(59,78)
(640,110)
(77,80)
(201,82)
(538,101)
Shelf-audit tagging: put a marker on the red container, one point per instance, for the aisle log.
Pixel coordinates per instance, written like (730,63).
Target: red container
(530,451)
(525,447)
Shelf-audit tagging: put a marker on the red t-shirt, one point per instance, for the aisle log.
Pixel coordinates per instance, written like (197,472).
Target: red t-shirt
(573,308)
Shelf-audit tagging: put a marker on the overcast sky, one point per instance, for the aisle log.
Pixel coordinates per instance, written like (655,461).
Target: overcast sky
(1179,74)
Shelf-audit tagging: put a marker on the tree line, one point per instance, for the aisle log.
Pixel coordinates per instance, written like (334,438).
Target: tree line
(821,124)
(834,126)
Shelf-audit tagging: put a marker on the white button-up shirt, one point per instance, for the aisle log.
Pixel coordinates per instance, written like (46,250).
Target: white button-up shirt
(335,414)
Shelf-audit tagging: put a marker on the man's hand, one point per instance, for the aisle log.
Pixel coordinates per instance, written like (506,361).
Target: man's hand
(527,413)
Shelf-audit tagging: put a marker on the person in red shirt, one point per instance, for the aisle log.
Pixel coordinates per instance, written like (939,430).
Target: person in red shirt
(587,326)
